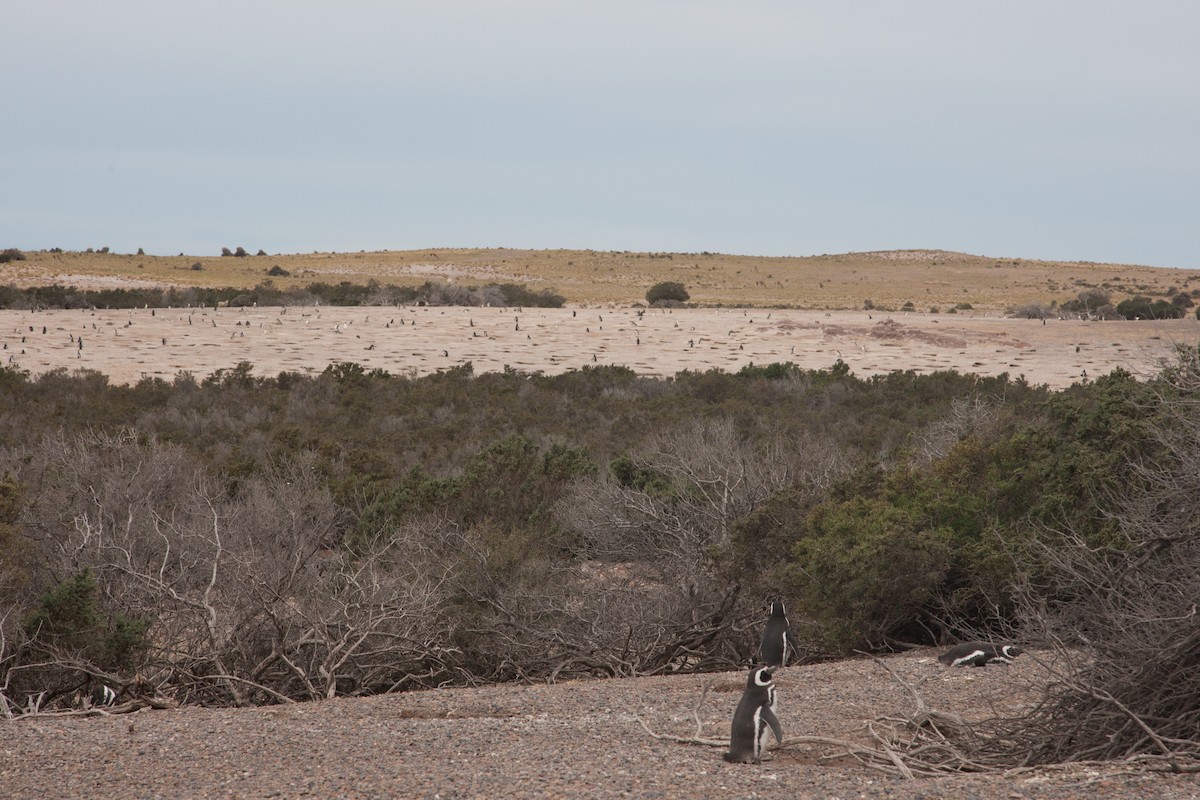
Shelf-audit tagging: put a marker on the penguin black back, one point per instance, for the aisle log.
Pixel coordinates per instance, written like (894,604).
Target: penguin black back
(102,695)
(979,654)
(776,638)
(755,715)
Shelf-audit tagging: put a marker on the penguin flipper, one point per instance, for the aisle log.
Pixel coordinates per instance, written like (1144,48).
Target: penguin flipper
(769,717)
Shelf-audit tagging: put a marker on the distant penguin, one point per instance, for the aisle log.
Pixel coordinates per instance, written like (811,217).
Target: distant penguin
(979,654)
(102,695)
(754,715)
(776,638)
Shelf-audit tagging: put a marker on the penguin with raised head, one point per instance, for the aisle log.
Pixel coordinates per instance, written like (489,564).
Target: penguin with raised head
(776,638)
(755,714)
(979,654)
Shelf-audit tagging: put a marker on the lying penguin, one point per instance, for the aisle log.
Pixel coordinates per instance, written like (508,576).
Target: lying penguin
(102,695)
(979,654)
(755,713)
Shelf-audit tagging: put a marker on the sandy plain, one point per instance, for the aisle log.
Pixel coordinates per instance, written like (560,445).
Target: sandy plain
(128,346)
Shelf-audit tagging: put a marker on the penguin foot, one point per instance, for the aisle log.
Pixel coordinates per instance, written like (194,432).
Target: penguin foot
(740,758)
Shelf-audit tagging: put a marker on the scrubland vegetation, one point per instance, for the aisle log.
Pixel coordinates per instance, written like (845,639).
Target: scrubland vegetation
(266,293)
(241,540)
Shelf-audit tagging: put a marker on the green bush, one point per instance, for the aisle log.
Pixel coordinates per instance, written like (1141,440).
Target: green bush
(771,372)
(939,539)
(868,572)
(16,552)
(1141,307)
(667,290)
(1089,301)
(515,295)
(884,556)
(67,613)
(512,484)
(631,475)
(69,623)
(344,293)
(1031,311)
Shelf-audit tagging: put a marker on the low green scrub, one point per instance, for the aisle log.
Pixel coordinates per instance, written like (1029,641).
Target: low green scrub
(512,483)
(69,624)
(907,553)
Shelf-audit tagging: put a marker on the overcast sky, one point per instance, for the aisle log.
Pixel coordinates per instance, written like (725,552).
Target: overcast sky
(1059,130)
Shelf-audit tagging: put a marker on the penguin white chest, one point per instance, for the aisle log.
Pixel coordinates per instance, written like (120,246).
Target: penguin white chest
(760,732)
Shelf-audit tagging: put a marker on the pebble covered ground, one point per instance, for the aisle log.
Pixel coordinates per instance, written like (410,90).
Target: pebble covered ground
(572,739)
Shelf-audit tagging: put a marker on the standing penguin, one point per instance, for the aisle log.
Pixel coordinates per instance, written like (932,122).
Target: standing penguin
(776,638)
(754,714)
(979,654)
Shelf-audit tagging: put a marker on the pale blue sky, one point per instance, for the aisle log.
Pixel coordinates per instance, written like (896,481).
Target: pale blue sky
(1059,130)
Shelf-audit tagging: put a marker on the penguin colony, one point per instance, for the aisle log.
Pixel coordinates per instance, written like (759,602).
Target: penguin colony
(757,711)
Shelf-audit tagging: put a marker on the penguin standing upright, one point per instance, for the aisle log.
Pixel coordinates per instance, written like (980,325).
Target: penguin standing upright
(776,638)
(979,654)
(754,715)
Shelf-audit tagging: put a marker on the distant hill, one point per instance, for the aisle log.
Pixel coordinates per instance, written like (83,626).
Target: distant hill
(891,278)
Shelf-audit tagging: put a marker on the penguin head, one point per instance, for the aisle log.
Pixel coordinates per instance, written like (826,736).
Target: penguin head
(761,676)
(777,609)
(1011,651)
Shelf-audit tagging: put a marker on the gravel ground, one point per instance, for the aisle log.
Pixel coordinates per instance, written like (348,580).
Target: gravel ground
(577,739)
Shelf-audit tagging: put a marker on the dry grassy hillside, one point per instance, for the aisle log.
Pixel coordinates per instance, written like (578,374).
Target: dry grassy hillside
(926,278)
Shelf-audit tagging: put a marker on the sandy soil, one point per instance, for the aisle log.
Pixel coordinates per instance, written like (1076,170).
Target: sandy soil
(576,739)
(130,345)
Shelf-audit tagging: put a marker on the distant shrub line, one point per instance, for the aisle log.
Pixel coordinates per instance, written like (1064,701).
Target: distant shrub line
(1097,304)
(267,294)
